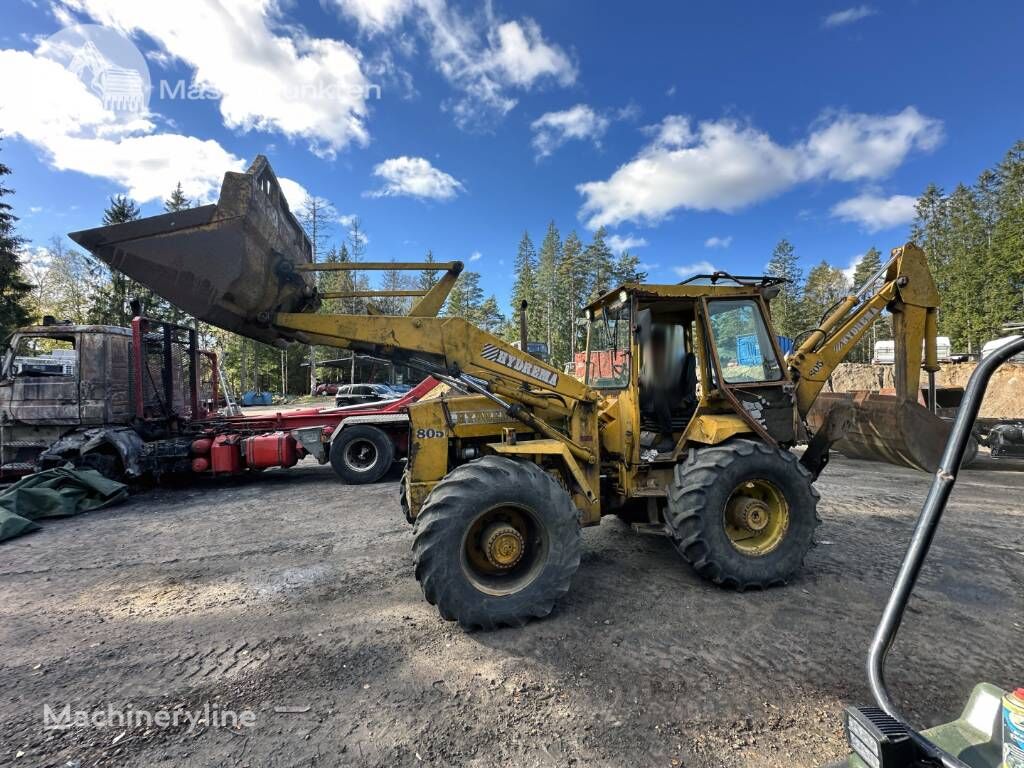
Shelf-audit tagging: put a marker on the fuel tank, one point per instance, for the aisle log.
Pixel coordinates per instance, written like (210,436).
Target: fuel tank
(231,264)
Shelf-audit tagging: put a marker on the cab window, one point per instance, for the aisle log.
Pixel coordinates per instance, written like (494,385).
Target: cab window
(741,339)
(608,355)
(44,356)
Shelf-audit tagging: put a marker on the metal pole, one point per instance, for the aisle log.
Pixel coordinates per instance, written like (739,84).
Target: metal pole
(523,330)
(921,541)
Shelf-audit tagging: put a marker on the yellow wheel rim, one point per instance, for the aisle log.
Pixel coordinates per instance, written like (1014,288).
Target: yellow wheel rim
(504,549)
(756,517)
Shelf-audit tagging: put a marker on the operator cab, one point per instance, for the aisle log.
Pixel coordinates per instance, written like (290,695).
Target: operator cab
(702,346)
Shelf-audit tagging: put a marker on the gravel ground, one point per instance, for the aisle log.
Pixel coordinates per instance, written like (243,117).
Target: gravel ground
(291,596)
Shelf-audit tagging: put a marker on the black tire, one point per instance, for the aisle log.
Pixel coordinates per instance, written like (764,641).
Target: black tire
(362,454)
(403,501)
(700,519)
(480,493)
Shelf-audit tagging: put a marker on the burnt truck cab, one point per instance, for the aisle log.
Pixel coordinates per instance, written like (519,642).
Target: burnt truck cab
(58,378)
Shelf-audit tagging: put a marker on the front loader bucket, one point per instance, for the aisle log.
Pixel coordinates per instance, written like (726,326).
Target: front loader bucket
(885,428)
(231,264)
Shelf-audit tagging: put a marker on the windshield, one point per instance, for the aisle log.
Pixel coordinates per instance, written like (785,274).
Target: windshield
(744,348)
(608,358)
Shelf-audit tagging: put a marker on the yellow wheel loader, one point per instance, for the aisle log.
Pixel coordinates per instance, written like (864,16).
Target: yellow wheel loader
(671,428)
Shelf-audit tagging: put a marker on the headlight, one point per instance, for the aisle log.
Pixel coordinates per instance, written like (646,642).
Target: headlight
(878,739)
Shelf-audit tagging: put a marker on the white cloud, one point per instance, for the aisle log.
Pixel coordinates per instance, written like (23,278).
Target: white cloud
(625,243)
(375,15)
(724,165)
(697,268)
(348,219)
(47,106)
(875,213)
(414,177)
(553,129)
(303,87)
(481,56)
(718,242)
(847,147)
(294,192)
(852,268)
(485,65)
(848,16)
(518,51)
(475,256)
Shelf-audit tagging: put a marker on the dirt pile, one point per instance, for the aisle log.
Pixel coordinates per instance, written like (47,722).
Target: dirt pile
(1004,399)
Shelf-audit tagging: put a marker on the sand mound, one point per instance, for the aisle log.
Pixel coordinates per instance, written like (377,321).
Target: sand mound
(1004,399)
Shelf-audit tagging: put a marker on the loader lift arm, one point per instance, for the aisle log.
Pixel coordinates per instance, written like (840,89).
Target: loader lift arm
(455,348)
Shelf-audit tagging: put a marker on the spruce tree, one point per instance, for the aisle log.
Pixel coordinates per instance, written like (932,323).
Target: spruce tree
(111,288)
(14,290)
(786,308)
(868,265)
(177,201)
(825,287)
(600,264)
(570,298)
(428,277)
(525,286)
(543,323)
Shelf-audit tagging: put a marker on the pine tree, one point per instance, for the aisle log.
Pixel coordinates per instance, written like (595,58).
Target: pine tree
(787,307)
(627,269)
(572,294)
(825,287)
(543,317)
(14,290)
(525,286)
(1006,265)
(868,265)
(394,280)
(177,201)
(428,277)
(112,289)
(600,264)
(466,298)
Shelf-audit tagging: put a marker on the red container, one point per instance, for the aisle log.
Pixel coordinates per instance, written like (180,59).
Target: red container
(225,456)
(276,449)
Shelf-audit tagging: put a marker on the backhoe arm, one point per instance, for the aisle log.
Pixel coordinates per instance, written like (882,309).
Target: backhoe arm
(909,293)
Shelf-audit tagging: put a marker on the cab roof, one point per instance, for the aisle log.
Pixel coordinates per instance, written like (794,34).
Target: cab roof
(709,285)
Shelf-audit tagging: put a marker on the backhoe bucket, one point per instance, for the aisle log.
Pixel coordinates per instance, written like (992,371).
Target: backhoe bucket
(231,264)
(885,428)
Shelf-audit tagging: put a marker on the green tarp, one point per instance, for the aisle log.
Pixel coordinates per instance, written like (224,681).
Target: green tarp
(59,492)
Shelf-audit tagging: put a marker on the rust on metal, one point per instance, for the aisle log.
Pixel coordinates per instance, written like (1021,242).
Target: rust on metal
(233,264)
(885,428)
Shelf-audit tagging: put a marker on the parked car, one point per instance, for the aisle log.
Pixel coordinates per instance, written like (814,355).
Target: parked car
(400,388)
(357,394)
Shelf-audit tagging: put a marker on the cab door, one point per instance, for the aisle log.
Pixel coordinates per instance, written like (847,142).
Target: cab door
(43,373)
(748,366)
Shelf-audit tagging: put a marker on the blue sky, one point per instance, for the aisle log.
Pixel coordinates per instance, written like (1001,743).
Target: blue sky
(702,133)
